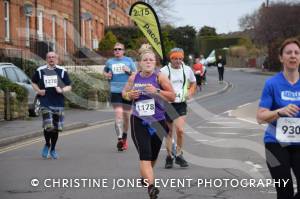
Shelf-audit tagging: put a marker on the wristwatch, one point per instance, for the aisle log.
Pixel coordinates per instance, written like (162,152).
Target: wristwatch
(279,114)
(158,91)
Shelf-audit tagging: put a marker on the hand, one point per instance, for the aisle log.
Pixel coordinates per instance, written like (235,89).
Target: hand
(150,89)
(290,110)
(134,94)
(41,92)
(59,90)
(108,75)
(126,69)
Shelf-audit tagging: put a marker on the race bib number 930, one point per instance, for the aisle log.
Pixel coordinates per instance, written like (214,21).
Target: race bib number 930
(288,130)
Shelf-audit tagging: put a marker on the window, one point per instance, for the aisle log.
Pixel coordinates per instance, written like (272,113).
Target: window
(6,21)
(65,34)
(11,74)
(27,31)
(54,31)
(90,32)
(40,25)
(22,77)
(83,32)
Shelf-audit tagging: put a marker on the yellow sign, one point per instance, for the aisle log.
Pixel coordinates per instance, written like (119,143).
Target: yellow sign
(145,18)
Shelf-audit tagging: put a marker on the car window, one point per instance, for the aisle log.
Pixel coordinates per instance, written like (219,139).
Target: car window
(11,74)
(23,78)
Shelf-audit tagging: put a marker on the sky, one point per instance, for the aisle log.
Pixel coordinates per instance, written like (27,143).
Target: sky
(221,14)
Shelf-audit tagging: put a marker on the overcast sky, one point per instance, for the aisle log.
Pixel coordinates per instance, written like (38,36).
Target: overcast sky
(221,14)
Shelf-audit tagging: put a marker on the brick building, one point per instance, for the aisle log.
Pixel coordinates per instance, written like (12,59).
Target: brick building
(37,26)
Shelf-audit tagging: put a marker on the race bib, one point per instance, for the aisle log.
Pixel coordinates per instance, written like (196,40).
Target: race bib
(118,68)
(50,81)
(178,97)
(288,130)
(219,65)
(145,107)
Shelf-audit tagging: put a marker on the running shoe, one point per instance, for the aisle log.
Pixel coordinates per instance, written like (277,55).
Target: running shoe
(153,191)
(169,162)
(125,145)
(45,151)
(53,154)
(181,161)
(120,145)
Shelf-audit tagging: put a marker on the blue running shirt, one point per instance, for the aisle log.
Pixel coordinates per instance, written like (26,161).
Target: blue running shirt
(278,93)
(119,77)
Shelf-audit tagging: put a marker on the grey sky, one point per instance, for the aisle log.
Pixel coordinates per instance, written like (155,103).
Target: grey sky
(220,14)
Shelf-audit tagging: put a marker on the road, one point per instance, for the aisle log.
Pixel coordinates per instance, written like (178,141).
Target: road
(223,142)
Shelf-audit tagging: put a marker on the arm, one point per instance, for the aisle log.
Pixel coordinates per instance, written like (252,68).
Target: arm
(38,90)
(265,115)
(106,72)
(167,92)
(192,89)
(127,92)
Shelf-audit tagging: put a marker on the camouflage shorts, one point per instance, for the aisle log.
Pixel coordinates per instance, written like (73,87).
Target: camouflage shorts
(53,118)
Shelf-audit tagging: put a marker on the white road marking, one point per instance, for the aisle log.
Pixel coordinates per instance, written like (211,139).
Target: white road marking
(36,140)
(244,105)
(225,133)
(223,122)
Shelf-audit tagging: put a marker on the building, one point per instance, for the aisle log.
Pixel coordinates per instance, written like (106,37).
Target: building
(37,26)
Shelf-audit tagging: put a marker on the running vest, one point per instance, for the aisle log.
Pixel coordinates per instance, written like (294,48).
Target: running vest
(147,107)
(181,90)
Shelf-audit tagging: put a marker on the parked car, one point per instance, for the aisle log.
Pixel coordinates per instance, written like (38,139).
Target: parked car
(16,75)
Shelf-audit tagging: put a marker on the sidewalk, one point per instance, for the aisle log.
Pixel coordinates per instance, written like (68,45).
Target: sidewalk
(18,130)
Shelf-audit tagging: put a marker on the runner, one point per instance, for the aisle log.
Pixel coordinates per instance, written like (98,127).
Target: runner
(221,65)
(279,107)
(117,70)
(199,72)
(184,84)
(51,82)
(148,89)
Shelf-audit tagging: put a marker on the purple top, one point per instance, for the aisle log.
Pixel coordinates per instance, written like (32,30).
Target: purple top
(148,107)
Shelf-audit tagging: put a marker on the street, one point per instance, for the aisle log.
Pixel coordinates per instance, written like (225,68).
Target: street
(222,141)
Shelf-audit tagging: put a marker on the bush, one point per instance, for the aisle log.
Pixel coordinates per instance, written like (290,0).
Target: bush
(108,42)
(82,85)
(21,92)
(28,66)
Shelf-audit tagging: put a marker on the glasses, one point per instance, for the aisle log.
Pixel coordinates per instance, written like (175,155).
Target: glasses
(116,49)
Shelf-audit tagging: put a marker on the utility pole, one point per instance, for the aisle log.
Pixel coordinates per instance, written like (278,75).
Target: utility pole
(267,4)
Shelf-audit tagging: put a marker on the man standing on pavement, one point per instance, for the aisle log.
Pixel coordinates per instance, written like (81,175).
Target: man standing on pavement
(184,84)
(118,70)
(50,82)
(220,65)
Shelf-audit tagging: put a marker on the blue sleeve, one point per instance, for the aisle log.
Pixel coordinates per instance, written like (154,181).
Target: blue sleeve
(35,78)
(132,65)
(266,99)
(66,79)
(106,67)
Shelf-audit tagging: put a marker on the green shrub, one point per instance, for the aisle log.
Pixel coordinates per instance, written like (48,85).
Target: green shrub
(108,42)
(21,92)
(82,85)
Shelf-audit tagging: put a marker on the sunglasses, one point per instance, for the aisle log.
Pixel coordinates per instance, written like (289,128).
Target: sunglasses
(118,49)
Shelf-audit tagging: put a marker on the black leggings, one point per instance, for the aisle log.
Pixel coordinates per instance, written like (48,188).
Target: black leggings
(288,158)
(221,73)
(147,146)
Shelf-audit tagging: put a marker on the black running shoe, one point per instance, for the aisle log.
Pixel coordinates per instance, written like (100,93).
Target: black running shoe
(153,191)
(181,161)
(169,162)
(120,145)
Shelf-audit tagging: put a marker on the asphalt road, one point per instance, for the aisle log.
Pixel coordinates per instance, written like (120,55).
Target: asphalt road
(223,145)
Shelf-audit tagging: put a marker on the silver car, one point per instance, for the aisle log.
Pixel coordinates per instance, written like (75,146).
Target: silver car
(16,75)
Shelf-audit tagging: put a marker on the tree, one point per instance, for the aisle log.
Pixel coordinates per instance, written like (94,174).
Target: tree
(108,42)
(163,9)
(207,31)
(271,25)
(185,38)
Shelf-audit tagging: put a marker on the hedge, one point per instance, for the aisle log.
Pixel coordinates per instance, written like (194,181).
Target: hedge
(21,92)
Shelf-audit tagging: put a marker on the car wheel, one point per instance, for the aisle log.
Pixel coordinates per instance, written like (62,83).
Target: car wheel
(35,112)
